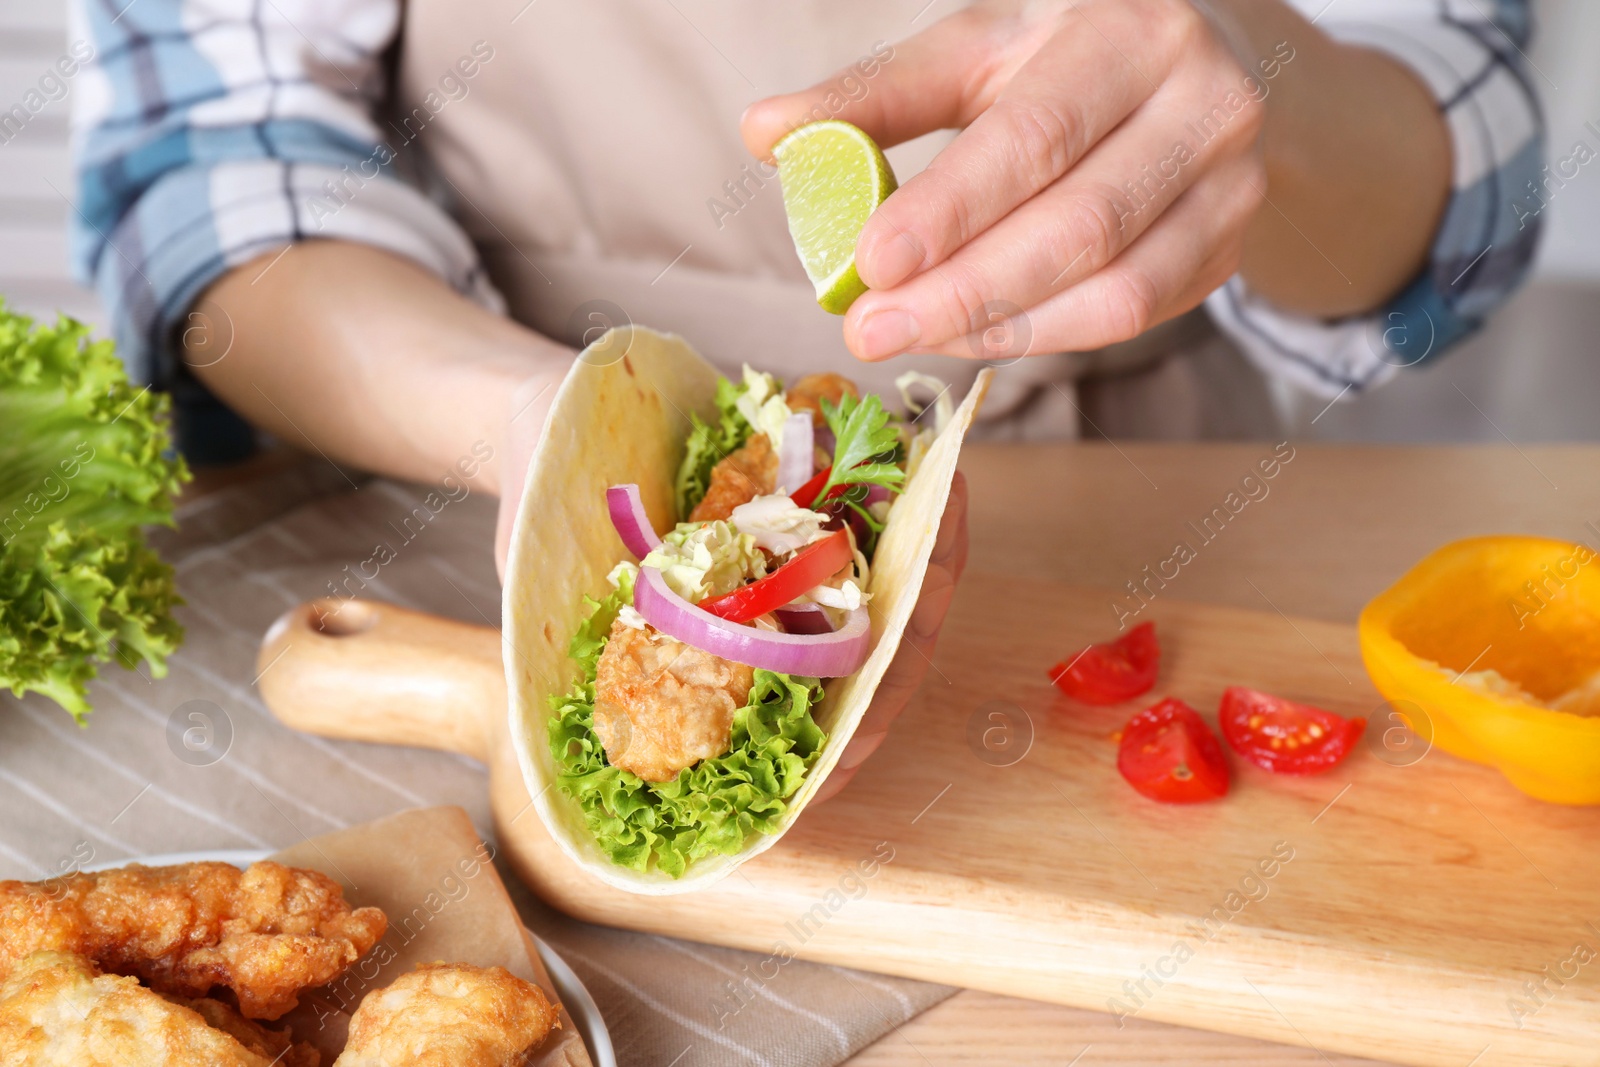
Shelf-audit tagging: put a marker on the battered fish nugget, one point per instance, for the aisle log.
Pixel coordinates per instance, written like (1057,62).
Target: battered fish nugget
(449,1015)
(278,1046)
(661,705)
(752,470)
(56,1010)
(808,392)
(266,933)
(739,478)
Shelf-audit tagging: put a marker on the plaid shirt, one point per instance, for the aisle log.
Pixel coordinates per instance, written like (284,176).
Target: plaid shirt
(206,127)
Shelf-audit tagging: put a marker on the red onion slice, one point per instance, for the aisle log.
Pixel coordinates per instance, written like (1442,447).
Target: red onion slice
(824,440)
(804,619)
(796,455)
(628,516)
(832,655)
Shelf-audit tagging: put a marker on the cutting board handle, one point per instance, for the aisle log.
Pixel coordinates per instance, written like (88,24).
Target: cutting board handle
(368,671)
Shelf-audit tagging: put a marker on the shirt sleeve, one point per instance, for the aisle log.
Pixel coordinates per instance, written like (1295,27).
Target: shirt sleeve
(1470,54)
(209,132)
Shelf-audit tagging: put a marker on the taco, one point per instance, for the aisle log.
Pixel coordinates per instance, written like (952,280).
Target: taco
(707,580)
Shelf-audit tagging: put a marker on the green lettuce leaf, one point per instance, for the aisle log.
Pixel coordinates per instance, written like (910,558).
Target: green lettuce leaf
(710,442)
(711,808)
(85,463)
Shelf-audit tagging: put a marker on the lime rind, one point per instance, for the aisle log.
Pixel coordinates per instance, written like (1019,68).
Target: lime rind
(833,177)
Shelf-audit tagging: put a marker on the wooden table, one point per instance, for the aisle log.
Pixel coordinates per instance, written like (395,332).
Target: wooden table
(1337,526)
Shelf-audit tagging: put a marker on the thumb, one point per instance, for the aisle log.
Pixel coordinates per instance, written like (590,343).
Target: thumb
(895,92)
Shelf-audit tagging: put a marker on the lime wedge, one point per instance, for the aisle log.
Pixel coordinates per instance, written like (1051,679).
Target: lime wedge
(833,176)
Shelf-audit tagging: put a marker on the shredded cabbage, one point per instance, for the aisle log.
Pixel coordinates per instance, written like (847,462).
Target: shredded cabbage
(701,559)
(778,524)
(943,404)
(712,808)
(848,597)
(921,438)
(763,405)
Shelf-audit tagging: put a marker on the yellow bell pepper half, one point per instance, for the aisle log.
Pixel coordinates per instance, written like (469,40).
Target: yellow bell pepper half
(1488,637)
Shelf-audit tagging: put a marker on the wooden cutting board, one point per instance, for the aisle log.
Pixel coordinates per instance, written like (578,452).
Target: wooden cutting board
(1398,907)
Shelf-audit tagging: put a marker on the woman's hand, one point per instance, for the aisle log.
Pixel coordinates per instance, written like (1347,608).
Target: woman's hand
(1066,196)
(1111,170)
(915,655)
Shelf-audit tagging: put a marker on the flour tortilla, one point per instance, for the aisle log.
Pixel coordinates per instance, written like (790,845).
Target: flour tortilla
(622,415)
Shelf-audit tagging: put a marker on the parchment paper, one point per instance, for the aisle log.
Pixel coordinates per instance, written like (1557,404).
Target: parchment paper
(435,880)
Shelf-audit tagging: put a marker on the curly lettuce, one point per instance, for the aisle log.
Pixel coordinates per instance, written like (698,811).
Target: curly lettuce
(711,808)
(710,442)
(85,463)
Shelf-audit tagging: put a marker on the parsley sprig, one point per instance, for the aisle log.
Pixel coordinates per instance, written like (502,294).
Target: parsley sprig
(864,452)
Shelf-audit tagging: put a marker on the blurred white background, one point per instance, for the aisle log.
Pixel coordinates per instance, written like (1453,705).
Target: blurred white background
(1532,375)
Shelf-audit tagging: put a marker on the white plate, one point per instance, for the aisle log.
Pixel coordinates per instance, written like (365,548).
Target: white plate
(571,992)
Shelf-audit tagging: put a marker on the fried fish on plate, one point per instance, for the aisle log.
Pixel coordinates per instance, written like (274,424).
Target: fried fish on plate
(449,1015)
(277,1046)
(267,933)
(57,1010)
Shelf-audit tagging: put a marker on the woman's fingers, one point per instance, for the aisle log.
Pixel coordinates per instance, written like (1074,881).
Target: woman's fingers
(1188,254)
(895,93)
(915,654)
(950,548)
(1074,90)
(1064,234)
(1094,131)
(1082,221)
(1193,248)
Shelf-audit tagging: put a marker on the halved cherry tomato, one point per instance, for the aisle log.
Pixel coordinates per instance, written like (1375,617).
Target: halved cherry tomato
(1168,753)
(1112,672)
(810,567)
(1283,736)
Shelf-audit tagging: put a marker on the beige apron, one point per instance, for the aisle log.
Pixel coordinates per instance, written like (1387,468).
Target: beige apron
(595,159)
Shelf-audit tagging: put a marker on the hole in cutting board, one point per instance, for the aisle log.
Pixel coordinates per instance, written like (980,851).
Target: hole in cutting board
(342,618)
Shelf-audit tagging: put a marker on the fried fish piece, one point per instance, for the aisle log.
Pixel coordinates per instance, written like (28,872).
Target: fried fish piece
(661,705)
(267,933)
(808,392)
(738,478)
(752,470)
(57,1010)
(278,1046)
(449,1015)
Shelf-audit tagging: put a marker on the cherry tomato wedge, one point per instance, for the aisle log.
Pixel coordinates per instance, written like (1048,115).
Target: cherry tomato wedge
(1283,736)
(1112,672)
(810,567)
(1168,753)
